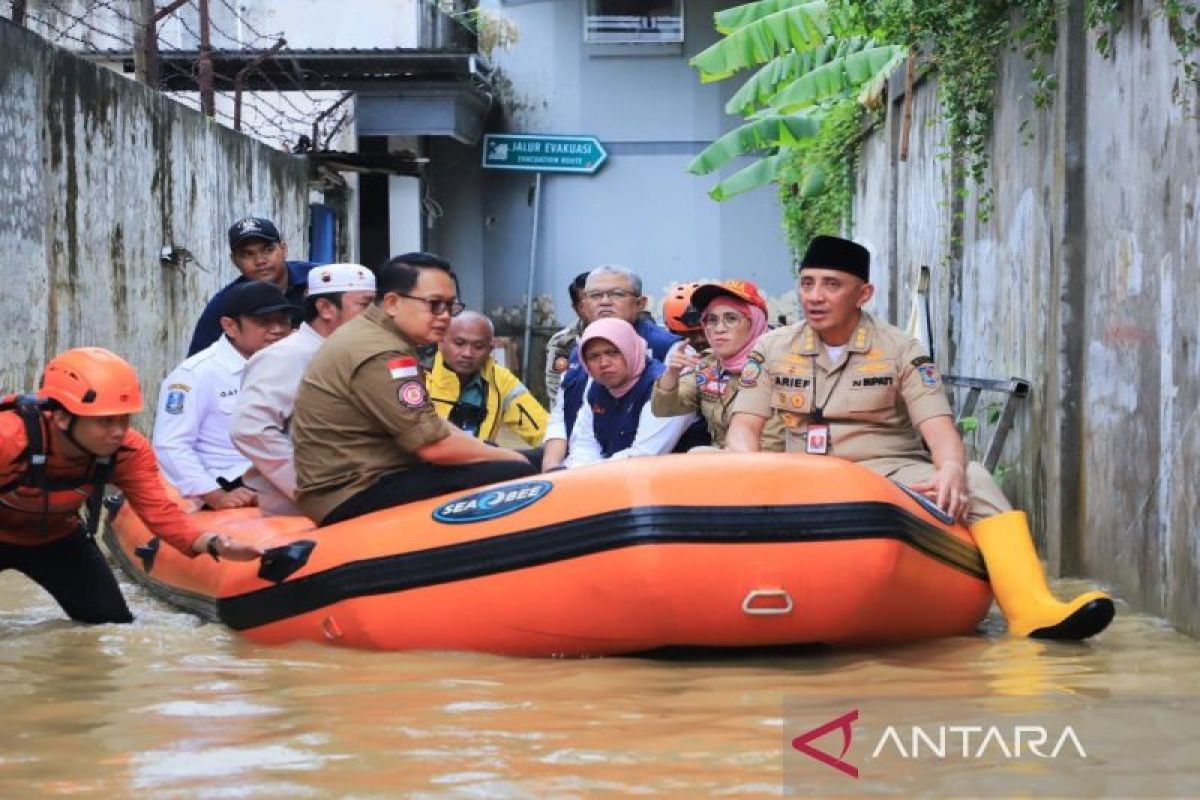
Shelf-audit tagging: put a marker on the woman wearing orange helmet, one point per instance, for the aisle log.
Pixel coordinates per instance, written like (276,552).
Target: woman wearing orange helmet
(58,449)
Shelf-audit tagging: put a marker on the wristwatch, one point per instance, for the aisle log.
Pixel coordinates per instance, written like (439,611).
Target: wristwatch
(211,547)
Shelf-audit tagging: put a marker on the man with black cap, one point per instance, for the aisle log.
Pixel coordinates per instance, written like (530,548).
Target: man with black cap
(260,254)
(198,399)
(261,427)
(845,384)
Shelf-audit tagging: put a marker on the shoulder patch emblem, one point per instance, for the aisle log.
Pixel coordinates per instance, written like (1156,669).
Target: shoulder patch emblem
(929,375)
(413,395)
(750,372)
(176,395)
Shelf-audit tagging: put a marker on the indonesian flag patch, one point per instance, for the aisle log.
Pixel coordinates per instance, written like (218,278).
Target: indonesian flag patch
(403,367)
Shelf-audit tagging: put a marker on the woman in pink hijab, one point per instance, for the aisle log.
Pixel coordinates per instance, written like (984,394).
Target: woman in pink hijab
(734,315)
(615,420)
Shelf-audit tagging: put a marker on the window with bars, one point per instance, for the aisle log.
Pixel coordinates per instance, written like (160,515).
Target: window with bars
(633,21)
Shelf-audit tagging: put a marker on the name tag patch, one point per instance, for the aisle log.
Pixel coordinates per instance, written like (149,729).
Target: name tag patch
(791,382)
(865,383)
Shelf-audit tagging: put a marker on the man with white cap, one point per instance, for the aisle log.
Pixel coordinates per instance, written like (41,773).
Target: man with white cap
(336,294)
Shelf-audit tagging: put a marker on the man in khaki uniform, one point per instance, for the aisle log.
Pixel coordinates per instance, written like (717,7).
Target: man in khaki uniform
(708,384)
(365,434)
(558,349)
(848,385)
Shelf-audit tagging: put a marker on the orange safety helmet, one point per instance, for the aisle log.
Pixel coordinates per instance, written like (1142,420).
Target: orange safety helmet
(675,308)
(91,382)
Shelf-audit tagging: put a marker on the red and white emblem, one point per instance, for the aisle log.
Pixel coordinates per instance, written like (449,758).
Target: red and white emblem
(402,367)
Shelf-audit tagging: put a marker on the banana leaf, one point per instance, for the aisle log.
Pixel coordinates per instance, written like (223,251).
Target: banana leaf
(838,78)
(731,19)
(776,75)
(760,173)
(758,134)
(800,28)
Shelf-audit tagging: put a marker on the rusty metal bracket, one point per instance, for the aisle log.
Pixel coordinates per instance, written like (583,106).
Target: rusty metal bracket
(1015,389)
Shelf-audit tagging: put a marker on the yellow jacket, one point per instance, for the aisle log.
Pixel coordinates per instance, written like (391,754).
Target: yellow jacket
(508,401)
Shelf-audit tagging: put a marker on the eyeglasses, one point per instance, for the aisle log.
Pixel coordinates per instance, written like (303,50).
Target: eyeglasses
(612,294)
(729,319)
(438,307)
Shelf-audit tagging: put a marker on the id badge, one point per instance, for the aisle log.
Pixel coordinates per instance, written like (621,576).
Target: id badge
(817,440)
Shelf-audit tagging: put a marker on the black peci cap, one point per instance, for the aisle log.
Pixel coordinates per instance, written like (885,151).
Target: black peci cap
(843,255)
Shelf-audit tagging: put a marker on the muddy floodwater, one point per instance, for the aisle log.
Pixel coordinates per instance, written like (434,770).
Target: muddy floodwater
(169,707)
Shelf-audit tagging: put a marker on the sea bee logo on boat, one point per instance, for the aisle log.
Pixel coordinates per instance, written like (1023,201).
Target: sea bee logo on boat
(492,503)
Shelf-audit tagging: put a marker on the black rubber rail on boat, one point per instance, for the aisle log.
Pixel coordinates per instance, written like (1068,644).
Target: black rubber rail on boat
(595,534)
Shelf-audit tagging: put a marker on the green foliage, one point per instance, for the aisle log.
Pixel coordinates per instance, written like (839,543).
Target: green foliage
(817,57)
(764,84)
(1104,16)
(765,132)
(731,19)
(799,27)
(1184,25)
(838,77)
(816,179)
(1107,17)
(760,173)
(813,62)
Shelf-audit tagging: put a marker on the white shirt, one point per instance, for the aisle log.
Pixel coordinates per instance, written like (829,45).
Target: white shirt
(655,435)
(556,428)
(263,416)
(191,428)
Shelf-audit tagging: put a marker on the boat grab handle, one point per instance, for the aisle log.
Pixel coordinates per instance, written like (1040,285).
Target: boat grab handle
(748,606)
(280,562)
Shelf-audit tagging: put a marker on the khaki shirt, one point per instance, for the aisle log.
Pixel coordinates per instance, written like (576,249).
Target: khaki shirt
(362,411)
(710,390)
(874,397)
(558,357)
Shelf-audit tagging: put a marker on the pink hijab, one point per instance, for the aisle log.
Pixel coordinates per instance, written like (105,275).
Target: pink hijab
(758,326)
(622,336)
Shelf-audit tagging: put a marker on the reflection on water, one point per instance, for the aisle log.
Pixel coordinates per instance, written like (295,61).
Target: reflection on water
(168,707)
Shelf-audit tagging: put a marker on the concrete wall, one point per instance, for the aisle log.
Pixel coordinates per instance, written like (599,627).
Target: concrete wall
(641,210)
(99,174)
(1083,280)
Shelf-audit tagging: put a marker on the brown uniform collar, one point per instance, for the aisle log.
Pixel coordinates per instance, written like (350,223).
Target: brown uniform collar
(860,340)
(378,317)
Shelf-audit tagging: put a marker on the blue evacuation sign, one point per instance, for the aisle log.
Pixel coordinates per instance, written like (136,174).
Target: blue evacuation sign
(538,153)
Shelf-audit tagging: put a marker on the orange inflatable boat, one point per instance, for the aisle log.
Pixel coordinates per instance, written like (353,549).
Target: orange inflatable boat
(686,550)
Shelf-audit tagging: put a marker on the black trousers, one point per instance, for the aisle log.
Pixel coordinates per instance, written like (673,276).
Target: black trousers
(74,572)
(423,481)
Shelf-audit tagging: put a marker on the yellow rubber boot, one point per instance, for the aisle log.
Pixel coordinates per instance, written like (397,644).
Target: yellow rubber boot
(1020,585)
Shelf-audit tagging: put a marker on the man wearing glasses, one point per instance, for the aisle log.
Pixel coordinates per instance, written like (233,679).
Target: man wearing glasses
(366,435)
(610,291)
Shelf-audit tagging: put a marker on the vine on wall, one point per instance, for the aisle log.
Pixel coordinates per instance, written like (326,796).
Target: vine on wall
(964,42)
(816,180)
